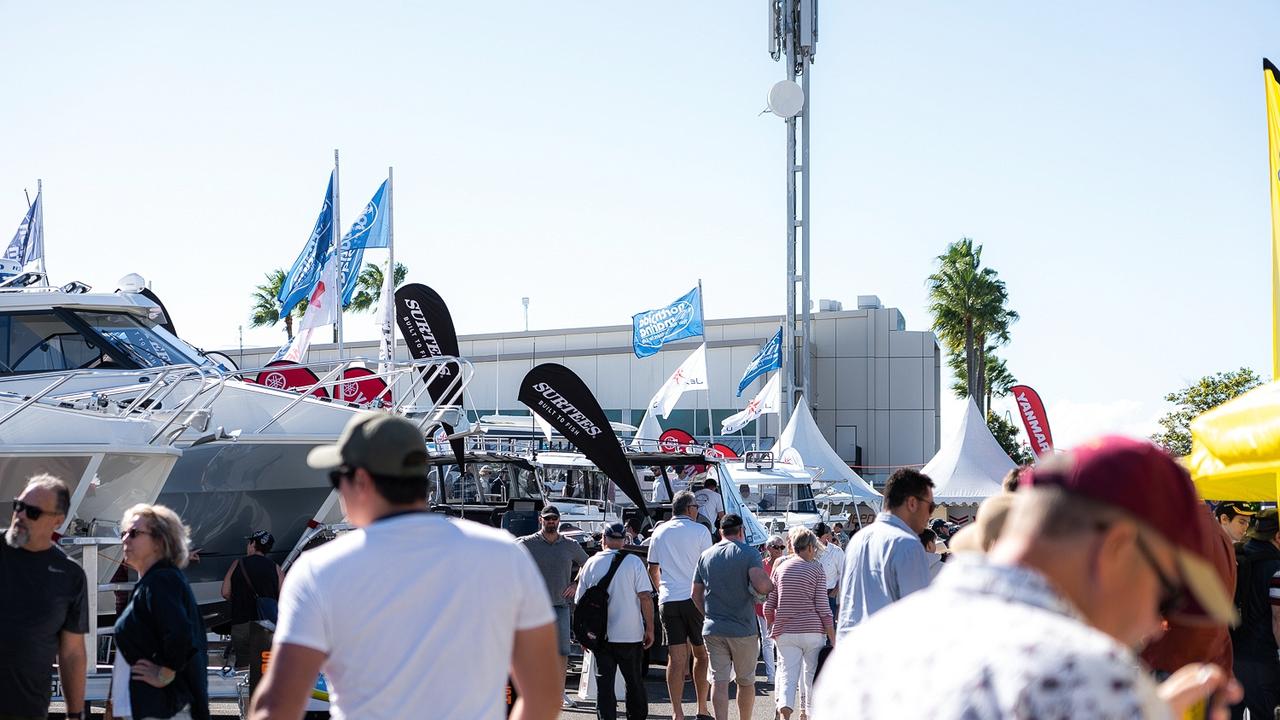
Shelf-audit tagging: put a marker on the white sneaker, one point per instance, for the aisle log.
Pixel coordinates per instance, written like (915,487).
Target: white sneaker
(568,702)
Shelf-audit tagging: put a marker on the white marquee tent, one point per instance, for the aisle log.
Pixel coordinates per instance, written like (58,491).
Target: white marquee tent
(802,436)
(970,467)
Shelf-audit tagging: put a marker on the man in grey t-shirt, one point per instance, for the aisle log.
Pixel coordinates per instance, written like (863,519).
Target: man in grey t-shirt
(728,580)
(556,556)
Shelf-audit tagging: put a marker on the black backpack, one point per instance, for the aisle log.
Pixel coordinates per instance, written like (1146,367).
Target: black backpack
(591,617)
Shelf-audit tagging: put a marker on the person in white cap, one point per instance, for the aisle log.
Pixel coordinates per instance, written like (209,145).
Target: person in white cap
(415,614)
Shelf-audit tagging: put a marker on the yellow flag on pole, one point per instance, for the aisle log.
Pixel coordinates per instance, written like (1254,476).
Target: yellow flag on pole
(1271,78)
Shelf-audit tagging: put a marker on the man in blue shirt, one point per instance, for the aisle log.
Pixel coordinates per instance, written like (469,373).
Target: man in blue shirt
(728,577)
(885,562)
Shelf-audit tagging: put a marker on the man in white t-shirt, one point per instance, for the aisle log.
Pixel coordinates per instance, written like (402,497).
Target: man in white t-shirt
(630,626)
(831,557)
(710,504)
(415,614)
(674,550)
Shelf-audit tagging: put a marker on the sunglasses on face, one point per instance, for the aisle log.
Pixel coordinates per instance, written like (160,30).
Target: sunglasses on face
(336,475)
(932,505)
(1172,597)
(777,547)
(32,512)
(133,533)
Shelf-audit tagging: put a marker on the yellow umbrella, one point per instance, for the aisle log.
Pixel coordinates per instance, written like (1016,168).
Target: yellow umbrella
(1235,448)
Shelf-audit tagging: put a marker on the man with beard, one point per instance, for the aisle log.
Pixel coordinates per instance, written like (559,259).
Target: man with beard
(44,609)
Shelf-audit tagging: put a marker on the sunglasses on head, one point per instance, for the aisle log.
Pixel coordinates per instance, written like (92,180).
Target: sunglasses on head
(32,512)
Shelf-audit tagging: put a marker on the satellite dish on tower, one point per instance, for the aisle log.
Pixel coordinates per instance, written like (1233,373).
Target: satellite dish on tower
(786,99)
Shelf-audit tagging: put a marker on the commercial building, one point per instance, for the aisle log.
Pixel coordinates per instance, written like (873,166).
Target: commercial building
(875,384)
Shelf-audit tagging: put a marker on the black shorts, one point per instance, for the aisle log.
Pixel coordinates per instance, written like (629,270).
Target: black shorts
(682,622)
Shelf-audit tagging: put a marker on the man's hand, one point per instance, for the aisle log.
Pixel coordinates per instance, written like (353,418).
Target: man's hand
(570,591)
(151,673)
(1201,681)
(648,638)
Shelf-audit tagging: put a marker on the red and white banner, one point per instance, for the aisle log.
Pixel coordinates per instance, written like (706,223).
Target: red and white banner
(1034,419)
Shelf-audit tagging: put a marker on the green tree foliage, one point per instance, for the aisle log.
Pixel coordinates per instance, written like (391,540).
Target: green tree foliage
(998,377)
(369,287)
(1006,433)
(1197,398)
(969,304)
(266,309)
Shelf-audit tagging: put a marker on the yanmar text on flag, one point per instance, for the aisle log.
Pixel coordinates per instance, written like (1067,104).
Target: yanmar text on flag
(652,329)
(1033,418)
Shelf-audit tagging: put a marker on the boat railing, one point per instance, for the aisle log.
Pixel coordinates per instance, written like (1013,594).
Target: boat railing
(406,386)
(161,384)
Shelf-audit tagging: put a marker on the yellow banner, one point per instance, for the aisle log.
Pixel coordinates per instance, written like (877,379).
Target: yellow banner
(1272,79)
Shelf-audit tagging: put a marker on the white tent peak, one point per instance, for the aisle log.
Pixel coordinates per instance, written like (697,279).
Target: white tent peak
(971,465)
(802,435)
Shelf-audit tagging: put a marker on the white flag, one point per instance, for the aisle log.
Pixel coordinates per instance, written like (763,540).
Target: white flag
(386,321)
(322,306)
(544,425)
(691,375)
(765,401)
(646,439)
(296,349)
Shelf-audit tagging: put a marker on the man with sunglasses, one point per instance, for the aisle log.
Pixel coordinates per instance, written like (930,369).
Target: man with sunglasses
(44,609)
(414,614)
(885,562)
(1099,545)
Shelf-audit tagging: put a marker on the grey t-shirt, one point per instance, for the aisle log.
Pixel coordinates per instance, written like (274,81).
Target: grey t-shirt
(723,572)
(555,561)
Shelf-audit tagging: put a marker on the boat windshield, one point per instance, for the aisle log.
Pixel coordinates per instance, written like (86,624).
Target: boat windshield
(132,338)
(769,497)
(493,484)
(588,483)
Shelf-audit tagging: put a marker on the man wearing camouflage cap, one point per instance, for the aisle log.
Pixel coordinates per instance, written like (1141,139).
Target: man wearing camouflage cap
(414,614)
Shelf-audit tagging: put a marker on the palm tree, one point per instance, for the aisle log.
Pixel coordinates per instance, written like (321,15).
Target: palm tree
(266,308)
(369,287)
(968,303)
(997,382)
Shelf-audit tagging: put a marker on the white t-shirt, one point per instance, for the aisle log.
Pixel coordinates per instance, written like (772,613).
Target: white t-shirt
(675,548)
(832,560)
(710,504)
(415,612)
(626,624)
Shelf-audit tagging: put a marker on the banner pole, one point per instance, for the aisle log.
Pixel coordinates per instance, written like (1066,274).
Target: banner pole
(389,281)
(702,320)
(337,251)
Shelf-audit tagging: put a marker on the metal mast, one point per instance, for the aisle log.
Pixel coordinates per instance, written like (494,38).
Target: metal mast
(794,29)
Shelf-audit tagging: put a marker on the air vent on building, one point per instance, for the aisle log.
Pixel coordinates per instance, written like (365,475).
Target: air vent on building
(830,306)
(869,302)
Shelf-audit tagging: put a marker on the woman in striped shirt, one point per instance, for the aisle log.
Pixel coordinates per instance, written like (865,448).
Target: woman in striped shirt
(800,621)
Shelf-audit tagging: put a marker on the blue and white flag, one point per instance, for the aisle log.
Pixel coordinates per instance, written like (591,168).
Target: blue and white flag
(769,358)
(370,230)
(652,329)
(305,272)
(27,245)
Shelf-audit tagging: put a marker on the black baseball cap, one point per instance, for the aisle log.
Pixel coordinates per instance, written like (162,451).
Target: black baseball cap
(263,539)
(550,511)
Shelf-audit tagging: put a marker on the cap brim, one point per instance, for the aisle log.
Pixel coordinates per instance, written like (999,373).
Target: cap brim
(1206,587)
(324,457)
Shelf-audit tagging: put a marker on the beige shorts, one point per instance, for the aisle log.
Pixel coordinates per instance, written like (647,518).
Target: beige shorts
(736,654)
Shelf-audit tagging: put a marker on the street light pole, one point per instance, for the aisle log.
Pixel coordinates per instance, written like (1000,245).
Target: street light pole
(525,301)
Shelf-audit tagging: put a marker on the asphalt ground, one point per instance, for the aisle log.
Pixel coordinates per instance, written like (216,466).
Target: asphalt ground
(660,707)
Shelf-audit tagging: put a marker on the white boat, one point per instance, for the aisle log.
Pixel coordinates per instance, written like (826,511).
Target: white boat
(781,496)
(241,465)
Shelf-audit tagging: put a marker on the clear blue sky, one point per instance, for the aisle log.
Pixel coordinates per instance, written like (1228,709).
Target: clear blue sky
(601,157)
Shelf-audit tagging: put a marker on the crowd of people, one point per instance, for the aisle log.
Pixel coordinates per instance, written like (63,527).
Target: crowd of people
(1096,585)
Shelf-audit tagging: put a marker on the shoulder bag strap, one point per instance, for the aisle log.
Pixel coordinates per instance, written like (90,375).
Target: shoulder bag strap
(613,570)
(247,579)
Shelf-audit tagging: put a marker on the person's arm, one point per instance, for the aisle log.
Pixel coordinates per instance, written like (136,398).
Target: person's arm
(646,611)
(771,602)
(655,576)
(910,567)
(226,580)
(698,589)
(286,687)
(823,607)
(760,581)
(71,668)
(279,579)
(535,673)
(1275,620)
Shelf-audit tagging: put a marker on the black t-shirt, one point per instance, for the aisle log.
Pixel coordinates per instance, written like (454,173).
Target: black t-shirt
(41,594)
(266,583)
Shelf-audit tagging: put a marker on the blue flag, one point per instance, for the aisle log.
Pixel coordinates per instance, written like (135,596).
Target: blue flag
(370,230)
(27,245)
(769,358)
(305,272)
(652,329)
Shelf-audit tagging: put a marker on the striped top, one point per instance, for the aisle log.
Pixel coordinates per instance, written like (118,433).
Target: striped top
(798,602)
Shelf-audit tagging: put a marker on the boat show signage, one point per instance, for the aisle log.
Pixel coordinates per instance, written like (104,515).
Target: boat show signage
(556,394)
(1034,419)
(428,332)
(652,329)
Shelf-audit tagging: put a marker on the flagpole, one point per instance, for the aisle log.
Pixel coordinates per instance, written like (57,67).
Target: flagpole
(40,189)
(389,298)
(337,250)
(702,320)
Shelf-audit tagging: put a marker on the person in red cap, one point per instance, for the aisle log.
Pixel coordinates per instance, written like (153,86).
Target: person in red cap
(1100,543)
